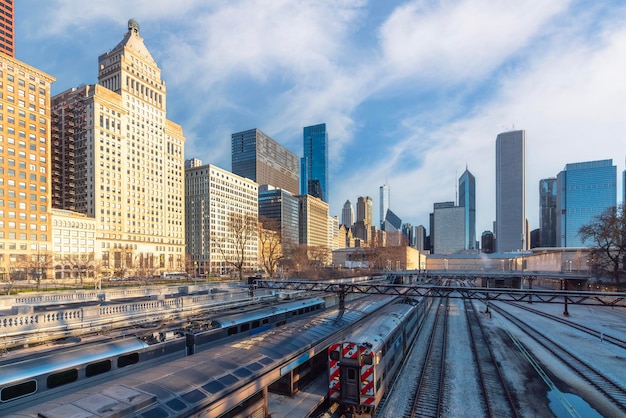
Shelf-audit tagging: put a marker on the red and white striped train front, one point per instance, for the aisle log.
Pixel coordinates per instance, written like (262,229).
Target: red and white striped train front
(352,374)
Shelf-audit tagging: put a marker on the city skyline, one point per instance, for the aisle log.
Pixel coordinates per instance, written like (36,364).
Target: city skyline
(400,111)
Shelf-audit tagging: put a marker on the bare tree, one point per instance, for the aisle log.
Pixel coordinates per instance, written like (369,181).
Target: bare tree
(241,232)
(270,245)
(37,265)
(607,232)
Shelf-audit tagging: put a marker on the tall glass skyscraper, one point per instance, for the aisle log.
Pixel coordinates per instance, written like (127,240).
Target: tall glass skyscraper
(467,200)
(547,212)
(510,191)
(585,190)
(314,163)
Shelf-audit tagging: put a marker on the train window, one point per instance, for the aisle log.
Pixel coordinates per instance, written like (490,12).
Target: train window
(194,396)
(62,378)
(242,372)
(255,324)
(245,327)
(232,331)
(176,404)
(17,391)
(213,387)
(366,359)
(265,321)
(351,373)
(97,368)
(127,360)
(334,355)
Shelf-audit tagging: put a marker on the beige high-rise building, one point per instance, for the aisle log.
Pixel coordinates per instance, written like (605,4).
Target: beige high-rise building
(120,160)
(315,224)
(25,221)
(222,219)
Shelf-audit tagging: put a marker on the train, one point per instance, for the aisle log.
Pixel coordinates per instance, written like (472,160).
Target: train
(363,363)
(54,371)
(229,379)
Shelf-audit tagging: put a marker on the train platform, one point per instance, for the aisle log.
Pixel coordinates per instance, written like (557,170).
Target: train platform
(303,404)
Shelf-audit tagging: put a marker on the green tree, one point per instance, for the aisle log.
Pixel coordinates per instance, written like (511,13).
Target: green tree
(607,233)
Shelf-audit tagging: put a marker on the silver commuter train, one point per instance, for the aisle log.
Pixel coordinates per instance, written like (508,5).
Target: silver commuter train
(362,364)
(20,380)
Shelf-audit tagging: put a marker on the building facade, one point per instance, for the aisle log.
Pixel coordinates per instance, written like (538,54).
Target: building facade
(281,207)
(547,212)
(449,228)
(256,156)
(128,161)
(314,163)
(510,191)
(25,170)
(585,190)
(314,222)
(212,196)
(467,200)
(74,246)
(7,31)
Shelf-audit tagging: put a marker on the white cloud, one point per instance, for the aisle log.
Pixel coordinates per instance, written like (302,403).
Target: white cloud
(456,41)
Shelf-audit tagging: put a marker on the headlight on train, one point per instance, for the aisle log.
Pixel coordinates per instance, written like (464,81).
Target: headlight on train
(366,359)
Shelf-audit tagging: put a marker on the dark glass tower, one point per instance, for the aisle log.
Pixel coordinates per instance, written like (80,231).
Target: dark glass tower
(510,191)
(314,163)
(467,200)
(281,207)
(258,157)
(547,212)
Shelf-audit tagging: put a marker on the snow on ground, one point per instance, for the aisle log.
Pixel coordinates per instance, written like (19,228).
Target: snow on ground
(605,357)
(462,398)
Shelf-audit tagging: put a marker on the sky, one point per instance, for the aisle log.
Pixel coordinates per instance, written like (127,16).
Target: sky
(412,92)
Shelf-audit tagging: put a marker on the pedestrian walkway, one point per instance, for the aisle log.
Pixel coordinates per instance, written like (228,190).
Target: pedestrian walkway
(302,404)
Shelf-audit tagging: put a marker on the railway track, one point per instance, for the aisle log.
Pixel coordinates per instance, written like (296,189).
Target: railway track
(613,391)
(428,399)
(498,400)
(590,331)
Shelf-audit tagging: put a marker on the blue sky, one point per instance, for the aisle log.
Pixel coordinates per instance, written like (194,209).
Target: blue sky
(412,92)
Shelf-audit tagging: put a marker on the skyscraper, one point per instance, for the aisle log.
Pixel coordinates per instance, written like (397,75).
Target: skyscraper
(25,215)
(128,164)
(363,218)
(347,214)
(314,163)
(7,31)
(585,190)
(364,210)
(467,200)
(260,158)
(547,212)
(510,191)
(384,203)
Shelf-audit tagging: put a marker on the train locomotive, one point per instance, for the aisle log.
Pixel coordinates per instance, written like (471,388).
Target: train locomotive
(361,366)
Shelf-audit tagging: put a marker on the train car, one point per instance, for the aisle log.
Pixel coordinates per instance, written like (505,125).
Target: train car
(228,380)
(252,322)
(361,366)
(20,381)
